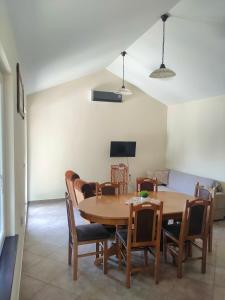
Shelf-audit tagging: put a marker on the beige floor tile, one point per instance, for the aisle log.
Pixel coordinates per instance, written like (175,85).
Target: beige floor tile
(220,277)
(42,249)
(190,289)
(29,287)
(46,270)
(60,255)
(30,259)
(53,293)
(218,293)
(192,270)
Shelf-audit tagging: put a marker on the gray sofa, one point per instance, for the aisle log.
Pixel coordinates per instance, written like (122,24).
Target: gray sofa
(173,180)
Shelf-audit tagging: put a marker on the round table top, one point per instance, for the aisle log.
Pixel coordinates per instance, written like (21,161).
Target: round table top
(113,210)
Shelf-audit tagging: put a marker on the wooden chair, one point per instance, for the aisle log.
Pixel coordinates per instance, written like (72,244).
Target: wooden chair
(111,189)
(146,184)
(205,194)
(83,189)
(143,233)
(70,176)
(107,188)
(177,238)
(82,235)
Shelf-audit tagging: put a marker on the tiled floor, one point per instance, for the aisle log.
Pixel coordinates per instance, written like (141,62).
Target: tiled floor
(46,275)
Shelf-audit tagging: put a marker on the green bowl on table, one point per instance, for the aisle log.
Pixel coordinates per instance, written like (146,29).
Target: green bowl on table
(144,194)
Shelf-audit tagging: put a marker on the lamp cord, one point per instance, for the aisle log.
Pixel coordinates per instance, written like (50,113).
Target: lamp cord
(123,73)
(163,44)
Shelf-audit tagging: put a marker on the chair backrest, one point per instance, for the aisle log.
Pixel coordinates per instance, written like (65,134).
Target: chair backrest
(145,222)
(202,192)
(82,189)
(107,188)
(71,219)
(146,184)
(70,176)
(196,218)
(205,194)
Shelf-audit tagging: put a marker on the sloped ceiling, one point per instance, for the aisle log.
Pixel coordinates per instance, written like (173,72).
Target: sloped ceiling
(195,50)
(62,40)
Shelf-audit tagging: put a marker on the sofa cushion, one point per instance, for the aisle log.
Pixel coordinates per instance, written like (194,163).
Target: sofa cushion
(161,175)
(185,183)
(163,188)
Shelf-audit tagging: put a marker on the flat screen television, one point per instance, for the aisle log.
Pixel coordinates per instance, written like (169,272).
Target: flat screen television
(122,149)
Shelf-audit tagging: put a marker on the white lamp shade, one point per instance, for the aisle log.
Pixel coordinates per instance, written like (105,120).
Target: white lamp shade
(162,72)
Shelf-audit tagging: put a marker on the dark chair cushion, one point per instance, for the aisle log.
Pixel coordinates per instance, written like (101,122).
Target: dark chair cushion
(173,229)
(89,232)
(122,235)
(111,230)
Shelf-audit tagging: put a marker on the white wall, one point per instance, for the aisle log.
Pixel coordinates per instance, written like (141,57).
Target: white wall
(14,144)
(196,137)
(68,131)
(14,127)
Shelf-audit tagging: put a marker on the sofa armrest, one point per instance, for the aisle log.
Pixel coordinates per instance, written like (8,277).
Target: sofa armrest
(219,200)
(219,206)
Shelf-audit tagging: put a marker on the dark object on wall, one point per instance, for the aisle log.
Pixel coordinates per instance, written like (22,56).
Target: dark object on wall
(104,96)
(20,92)
(122,149)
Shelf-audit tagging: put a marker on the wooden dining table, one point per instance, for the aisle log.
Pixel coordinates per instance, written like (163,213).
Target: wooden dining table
(113,210)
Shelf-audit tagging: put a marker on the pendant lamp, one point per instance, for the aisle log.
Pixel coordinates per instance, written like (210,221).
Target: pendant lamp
(163,71)
(123,90)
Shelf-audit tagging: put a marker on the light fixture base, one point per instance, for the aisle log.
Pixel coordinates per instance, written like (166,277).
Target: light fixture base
(165,17)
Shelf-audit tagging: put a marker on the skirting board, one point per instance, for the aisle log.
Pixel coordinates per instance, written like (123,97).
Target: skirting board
(18,267)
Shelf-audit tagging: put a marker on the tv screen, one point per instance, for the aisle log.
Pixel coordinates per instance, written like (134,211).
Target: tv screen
(122,149)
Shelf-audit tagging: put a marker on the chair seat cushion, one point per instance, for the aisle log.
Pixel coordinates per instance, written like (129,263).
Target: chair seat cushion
(111,230)
(122,235)
(89,232)
(173,229)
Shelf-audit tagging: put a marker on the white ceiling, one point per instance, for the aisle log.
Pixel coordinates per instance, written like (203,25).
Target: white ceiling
(195,50)
(62,40)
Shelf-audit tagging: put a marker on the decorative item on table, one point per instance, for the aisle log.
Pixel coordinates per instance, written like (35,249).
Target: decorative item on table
(144,194)
(137,200)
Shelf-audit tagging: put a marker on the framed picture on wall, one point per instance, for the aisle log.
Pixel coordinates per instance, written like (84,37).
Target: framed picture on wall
(20,92)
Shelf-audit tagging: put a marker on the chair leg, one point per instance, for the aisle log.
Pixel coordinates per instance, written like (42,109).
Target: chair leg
(179,261)
(157,263)
(119,256)
(69,254)
(105,258)
(210,239)
(204,253)
(128,269)
(97,250)
(190,249)
(146,256)
(75,262)
(164,246)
